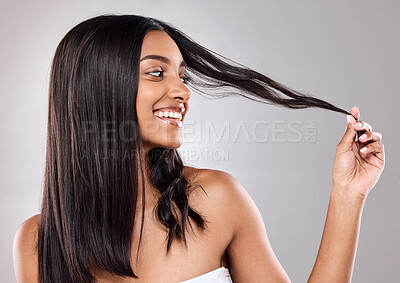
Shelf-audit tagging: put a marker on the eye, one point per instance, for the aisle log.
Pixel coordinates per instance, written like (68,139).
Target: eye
(185,79)
(158,74)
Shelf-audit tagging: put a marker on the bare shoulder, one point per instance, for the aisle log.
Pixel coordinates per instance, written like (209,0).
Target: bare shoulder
(25,255)
(210,176)
(249,254)
(25,238)
(215,182)
(223,192)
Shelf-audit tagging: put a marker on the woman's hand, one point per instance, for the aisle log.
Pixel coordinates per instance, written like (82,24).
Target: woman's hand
(356,171)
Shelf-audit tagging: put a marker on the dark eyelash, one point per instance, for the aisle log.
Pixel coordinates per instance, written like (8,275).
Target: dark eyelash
(161,72)
(184,79)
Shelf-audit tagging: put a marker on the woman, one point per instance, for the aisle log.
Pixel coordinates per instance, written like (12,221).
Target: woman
(118,201)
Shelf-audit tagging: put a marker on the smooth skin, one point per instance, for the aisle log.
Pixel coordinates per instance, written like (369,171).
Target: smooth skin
(237,237)
(161,84)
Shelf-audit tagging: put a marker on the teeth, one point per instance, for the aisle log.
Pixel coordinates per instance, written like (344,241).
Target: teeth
(169,114)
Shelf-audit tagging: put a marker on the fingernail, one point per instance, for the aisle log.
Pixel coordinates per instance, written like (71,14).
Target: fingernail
(358,124)
(348,118)
(363,136)
(364,149)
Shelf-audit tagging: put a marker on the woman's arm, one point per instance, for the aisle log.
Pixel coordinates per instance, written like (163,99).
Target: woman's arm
(355,173)
(338,247)
(250,256)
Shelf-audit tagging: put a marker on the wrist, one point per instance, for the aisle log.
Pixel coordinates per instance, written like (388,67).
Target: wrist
(348,195)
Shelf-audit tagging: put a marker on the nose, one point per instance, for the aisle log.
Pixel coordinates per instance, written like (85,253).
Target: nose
(178,90)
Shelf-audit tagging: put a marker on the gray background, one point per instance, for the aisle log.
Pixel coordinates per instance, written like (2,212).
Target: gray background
(346,52)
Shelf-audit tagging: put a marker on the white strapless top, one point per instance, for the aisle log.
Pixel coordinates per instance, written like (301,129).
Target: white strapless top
(219,275)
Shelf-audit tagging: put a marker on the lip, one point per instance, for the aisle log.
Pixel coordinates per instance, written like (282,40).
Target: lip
(171,121)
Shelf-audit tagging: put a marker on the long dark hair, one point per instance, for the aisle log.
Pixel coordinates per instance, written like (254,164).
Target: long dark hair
(91,176)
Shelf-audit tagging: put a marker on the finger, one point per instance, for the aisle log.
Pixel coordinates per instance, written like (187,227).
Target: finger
(355,112)
(376,147)
(350,132)
(371,137)
(356,115)
(362,126)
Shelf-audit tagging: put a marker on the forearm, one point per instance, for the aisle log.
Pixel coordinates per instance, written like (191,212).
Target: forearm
(335,259)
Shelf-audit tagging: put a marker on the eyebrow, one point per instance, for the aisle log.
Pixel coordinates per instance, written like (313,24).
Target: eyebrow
(162,59)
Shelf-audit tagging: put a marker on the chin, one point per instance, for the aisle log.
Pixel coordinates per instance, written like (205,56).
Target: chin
(170,144)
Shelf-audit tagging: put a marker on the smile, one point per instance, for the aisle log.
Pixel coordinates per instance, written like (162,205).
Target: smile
(172,117)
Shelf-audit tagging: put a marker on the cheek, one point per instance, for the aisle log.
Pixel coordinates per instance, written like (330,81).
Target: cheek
(146,97)
(142,107)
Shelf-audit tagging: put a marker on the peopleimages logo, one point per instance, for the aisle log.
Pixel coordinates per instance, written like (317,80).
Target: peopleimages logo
(212,136)
(206,131)
(261,131)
